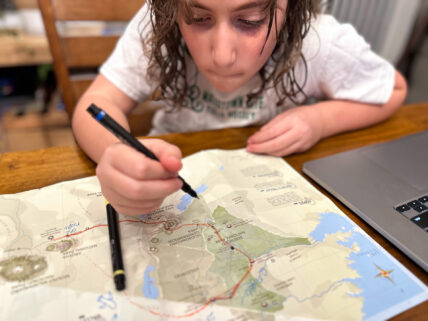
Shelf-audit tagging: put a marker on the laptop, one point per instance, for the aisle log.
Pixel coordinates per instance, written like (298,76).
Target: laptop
(385,184)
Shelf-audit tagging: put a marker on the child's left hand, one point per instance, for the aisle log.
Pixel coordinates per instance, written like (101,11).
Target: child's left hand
(295,130)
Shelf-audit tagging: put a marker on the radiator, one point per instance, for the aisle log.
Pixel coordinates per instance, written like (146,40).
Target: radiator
(385,24)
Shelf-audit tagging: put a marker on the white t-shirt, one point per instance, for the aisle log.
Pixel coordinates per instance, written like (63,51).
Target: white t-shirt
(340,65)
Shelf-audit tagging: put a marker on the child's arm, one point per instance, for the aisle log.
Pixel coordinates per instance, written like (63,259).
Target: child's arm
(298,129)
(132,183)
(92,137)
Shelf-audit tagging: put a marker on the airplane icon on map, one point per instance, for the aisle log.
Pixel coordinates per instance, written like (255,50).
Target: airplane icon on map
(384,273)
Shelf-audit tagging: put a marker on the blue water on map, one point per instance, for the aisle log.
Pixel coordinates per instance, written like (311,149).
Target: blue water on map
(149,286)
(186,199)
(378,293)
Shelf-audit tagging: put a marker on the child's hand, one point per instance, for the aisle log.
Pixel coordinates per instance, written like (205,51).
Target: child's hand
(135,184)
(295,130)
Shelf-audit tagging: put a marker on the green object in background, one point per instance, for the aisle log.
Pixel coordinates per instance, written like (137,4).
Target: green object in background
(43,72)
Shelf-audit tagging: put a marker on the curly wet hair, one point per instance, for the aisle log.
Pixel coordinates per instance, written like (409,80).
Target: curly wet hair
(166,49)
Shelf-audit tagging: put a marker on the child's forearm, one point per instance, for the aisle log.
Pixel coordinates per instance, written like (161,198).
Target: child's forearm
(340,116)
(91,136)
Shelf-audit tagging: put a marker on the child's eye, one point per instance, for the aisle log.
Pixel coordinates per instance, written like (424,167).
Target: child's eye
(201,20)
(249,24)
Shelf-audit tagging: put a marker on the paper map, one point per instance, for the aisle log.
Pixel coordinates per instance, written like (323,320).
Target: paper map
(261,243)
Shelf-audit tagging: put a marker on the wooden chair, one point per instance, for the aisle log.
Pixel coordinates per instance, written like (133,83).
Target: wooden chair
(77,58)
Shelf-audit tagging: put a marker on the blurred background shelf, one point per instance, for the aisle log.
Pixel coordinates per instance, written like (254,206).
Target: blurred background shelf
(22,49)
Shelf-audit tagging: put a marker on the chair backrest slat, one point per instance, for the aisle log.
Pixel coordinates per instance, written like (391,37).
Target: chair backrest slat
(84,52)
(79,86)
(81,52)
(106,10)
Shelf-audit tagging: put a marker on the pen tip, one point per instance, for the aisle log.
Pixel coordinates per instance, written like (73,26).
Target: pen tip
(192,193)
(187,189)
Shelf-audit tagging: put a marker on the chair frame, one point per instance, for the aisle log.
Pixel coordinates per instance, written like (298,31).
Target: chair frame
(80,53)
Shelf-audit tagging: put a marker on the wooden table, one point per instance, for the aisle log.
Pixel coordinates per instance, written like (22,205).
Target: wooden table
(21,171)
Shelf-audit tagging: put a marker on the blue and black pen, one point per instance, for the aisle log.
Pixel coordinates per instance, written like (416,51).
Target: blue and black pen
(103,118)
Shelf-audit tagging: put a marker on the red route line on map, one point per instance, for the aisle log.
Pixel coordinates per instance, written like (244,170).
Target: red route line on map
(204,305)
(103,225)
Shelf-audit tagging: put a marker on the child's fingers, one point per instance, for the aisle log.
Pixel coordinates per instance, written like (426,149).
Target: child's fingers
(134,197)
(142,197)
(124,206)
(273,146)
(161,147)
(136,211)
(168,154)
(130,162)
(135,184)
(287,150)
(134,189)
(268,133)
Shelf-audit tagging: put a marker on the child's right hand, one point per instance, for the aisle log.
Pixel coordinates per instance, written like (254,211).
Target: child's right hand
(135,184)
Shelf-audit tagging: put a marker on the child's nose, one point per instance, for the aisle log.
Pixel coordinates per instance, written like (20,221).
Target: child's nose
(223,48)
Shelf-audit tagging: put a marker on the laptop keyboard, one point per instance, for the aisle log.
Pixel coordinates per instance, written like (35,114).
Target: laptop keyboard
(416,210)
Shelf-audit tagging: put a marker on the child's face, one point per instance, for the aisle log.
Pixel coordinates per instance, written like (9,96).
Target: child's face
(226,38)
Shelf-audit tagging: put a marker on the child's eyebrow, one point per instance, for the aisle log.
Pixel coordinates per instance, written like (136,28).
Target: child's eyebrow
(249,5)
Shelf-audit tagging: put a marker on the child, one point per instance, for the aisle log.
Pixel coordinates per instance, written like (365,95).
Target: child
(229,63)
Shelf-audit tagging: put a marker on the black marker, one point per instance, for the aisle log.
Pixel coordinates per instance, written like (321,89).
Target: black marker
(115,249)
(102,117)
